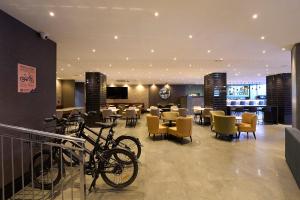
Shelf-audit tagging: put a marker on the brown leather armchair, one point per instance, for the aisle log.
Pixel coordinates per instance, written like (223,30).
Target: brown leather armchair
(248,124)
(184,126)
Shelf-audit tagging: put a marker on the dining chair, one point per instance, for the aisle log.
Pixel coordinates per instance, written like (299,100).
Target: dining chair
(182,112)
(106,113)
(131,117)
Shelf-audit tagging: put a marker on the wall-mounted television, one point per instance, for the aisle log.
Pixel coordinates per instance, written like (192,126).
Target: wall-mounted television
(117,93)
(238,91)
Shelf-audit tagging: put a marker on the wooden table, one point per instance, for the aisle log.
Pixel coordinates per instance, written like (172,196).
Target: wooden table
(68,110)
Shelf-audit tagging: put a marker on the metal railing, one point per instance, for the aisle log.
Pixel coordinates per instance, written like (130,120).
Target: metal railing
(33,165)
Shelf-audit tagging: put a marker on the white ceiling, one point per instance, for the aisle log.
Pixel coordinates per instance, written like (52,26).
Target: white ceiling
(224,27)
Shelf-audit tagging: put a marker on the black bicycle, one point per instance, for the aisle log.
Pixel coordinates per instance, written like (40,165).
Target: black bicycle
(117,167)
(127,142)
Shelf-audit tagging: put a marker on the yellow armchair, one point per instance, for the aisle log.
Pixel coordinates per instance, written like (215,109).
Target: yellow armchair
(184,126)
(212,114)
(248,124)
(225,125)
(154,128)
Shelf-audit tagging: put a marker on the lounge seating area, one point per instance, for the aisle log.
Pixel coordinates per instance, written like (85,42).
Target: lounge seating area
(171,124)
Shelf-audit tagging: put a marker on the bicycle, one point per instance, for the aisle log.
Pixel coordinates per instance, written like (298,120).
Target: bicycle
(109,163)
(127,142)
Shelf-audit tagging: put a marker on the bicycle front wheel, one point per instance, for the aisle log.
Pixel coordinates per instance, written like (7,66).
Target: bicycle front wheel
(115,173)
(129,143)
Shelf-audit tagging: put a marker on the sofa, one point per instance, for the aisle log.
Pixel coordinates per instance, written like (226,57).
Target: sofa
(292,152)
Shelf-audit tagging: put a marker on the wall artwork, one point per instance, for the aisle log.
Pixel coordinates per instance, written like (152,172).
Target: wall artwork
(26,78)
(164,93)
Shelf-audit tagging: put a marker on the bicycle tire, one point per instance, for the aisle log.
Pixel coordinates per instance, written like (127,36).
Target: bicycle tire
(137,145)
(108,156)
(67,161)
(46,166)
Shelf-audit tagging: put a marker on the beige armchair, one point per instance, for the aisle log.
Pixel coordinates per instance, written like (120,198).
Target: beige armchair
(213,113)
(167,116)
(182,112)
(225,125)
(154,128)
(205,118)
(248,124)
(184,126)
(155,112)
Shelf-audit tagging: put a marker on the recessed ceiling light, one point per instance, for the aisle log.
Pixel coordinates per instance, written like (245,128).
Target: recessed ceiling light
(166,70)
(69,65)
(221,59)
(119,72)
(116,37)
(52,14)
(156,14)
(174,58)
(264,51)
(262,37)
(109,65)
(152,50)
(94,50)
(127,58)
(61,69)
(267,65)
(283,49)
(208,51)
(190,65)
(78,58)
(254,16)
(150,65)
(190,36)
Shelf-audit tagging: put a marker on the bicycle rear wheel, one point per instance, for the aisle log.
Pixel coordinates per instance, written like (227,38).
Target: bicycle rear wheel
(45,173)
(129,143)
(115,173)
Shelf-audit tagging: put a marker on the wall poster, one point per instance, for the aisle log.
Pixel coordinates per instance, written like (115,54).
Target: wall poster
(26,78)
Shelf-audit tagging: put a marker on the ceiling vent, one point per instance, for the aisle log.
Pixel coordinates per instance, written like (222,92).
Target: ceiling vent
(122,81)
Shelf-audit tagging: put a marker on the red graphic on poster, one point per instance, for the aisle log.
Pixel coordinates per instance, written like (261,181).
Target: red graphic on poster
(26,78)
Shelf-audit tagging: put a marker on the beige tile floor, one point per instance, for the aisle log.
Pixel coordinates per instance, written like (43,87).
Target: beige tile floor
(207,168)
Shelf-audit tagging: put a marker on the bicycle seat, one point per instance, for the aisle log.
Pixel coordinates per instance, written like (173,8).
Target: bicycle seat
(104,125)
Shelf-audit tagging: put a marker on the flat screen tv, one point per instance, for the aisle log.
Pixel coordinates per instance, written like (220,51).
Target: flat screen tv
(117,92)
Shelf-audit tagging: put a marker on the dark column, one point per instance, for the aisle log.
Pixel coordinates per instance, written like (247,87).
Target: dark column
(296,85)
(279,99)
(95,90)
(215,93)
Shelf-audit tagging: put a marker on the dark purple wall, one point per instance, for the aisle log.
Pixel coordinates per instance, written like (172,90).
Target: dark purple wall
(21,44)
